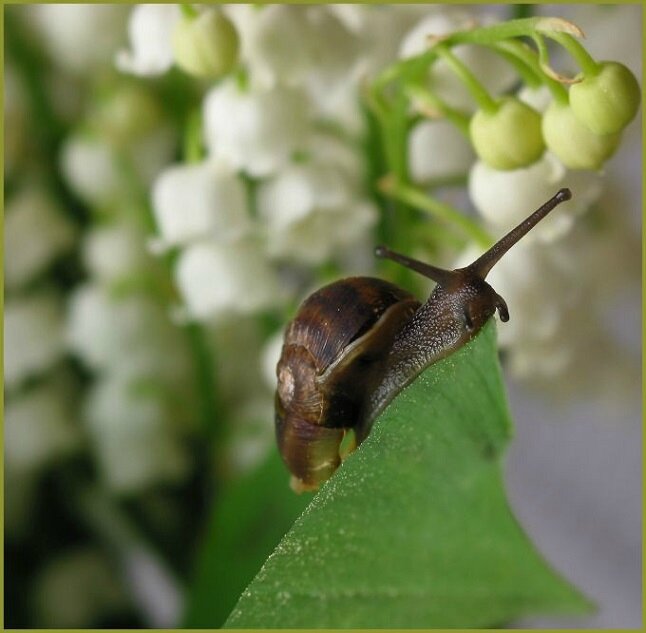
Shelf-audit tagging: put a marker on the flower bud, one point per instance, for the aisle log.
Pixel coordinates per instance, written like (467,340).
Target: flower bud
(206,46)
(508,138)
(607,101)
(572,142)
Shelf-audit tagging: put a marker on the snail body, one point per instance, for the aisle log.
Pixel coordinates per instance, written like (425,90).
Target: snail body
(356,343)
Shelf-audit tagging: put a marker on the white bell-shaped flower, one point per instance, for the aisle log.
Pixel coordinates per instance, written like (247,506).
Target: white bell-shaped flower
(274,42)
(132,336)
(255,130)
(38,428)
(379,30)
(197,201)
(33,336)
(35,233)
(132,435)
(115,251)
(90,169)
(79,37)
(311,212)
(215,279)
(505,198)
(150,30)
(495,73)
(295,45)
(436,149)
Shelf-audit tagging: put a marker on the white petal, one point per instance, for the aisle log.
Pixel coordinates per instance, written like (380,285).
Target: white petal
(505,198)
(38,428)
(132,336)
(113,252)
(35,233)
(256,131)
(80,37)
(436,149)
(215,279)
(33,336)
(199,201)
(90,169)
(150,30)
(132,436)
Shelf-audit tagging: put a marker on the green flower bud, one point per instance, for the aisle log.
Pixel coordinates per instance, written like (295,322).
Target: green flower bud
(508,138)
(206,45)
(608,100)
(572,142)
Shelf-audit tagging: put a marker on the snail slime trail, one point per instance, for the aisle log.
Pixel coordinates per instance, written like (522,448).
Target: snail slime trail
(357,342)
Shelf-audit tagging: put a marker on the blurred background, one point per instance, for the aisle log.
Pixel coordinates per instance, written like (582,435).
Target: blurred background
(176,181)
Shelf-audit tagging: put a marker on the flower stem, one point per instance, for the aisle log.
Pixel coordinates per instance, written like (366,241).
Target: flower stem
(193,148)
(587,63)
(524,53)
(439,210)
(482,97)
(427,99)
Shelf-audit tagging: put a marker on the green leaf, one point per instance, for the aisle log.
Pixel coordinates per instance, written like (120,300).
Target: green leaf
(414,530)
(250,518)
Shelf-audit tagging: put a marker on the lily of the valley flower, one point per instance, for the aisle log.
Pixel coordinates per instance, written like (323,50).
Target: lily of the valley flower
(131,336)
(311,213)
(133,436)
(436,149)
(255,130)
(215,279)
(33,336)
(505,198)
(150,29)
(80,37)
(199,201)
(39,427)
(29,252)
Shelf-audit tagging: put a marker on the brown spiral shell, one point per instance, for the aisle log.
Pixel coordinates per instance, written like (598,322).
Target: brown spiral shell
(334,353)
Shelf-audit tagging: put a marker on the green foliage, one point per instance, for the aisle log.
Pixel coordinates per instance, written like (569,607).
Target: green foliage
(414,530)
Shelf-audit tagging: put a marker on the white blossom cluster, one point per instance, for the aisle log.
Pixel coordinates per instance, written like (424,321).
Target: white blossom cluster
(39,423)
(276,184)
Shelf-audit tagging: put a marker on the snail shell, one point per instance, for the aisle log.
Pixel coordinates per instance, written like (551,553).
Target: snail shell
(332,358)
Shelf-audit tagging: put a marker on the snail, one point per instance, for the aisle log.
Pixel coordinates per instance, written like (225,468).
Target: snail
(357,342)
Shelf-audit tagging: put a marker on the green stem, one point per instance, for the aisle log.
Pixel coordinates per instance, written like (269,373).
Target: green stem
(484,35)
(587,63)
(428,99)
(440,210)
(523,27)
(482,97)
(531,60)
(193,149)
(528,74)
